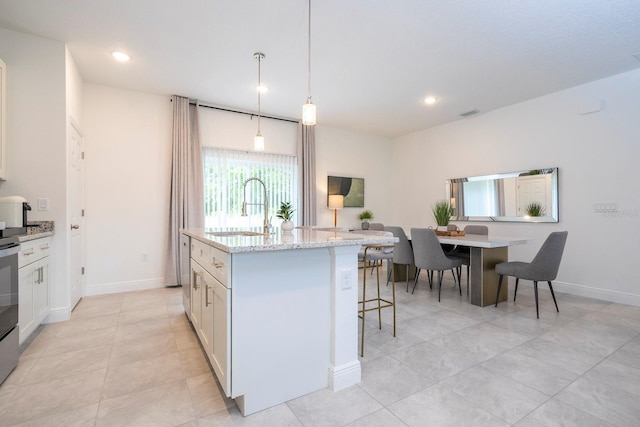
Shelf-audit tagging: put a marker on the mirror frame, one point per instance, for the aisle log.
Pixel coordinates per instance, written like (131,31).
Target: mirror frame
(552,211)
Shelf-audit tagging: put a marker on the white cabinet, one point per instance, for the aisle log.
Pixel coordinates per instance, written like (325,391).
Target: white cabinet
(33,284)
(211,308)
(3,107)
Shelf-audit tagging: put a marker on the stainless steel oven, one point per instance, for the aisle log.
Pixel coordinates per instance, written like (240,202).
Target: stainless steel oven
(9,333)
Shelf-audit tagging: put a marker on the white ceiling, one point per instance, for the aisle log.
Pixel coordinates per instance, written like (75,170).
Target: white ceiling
(373,61)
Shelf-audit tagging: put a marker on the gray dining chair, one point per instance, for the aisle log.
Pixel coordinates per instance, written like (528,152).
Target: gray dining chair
(463,253)
(376,226)
(428,255)
(544,267)
(402,252)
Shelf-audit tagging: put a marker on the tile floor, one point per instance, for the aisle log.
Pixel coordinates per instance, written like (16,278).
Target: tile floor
(132,359)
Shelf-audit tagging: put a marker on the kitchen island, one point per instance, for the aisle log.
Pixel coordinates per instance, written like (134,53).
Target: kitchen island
(277,313)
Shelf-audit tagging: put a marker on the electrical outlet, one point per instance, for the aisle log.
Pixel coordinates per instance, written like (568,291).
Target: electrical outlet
(144,257)
(345,279)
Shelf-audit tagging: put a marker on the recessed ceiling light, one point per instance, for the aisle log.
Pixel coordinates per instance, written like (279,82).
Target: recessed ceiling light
(120,56)
(262,89)
(430,100)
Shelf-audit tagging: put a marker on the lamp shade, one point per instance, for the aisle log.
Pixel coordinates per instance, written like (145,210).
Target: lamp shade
(336,201)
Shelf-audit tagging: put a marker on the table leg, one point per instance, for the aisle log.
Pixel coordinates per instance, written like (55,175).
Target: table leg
(484,279)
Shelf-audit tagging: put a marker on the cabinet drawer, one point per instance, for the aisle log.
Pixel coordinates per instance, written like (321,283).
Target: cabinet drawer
(200,252)
(33,250)
(218,265)
(215,261)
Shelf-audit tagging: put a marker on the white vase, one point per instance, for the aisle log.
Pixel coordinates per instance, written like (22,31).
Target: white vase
(286,226)
(442,228)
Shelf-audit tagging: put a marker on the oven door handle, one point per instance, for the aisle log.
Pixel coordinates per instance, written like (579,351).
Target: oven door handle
(11,250)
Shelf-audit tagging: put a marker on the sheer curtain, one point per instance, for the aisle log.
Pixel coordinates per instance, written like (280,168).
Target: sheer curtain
(186,200)
(225,172)
(307,165)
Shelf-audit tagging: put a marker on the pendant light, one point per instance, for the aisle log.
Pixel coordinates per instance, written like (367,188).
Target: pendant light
(309,109)
(258,141)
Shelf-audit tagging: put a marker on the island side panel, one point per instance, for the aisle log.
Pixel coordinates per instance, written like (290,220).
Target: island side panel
(345,369)
(281,326)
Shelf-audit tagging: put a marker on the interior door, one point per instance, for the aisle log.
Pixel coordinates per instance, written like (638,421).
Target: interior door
(534,188)
(76,213)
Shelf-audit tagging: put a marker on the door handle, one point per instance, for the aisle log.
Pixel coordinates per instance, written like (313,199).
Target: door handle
(74,226)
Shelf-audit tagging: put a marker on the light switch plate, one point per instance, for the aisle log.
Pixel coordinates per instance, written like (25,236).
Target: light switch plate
(43,204)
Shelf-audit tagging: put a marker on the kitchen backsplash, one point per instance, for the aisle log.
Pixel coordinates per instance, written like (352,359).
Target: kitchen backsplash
(35,227)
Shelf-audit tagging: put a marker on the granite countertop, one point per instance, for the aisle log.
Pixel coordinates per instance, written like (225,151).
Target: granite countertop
(37,230)
(278,241)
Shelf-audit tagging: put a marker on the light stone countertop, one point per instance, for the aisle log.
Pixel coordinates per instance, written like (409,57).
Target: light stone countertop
(27,237)
(279,241)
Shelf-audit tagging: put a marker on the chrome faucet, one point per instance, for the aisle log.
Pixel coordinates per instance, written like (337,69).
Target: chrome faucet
(265,203)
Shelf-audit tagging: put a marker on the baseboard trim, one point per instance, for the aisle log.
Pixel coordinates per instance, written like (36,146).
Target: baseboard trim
(116,287)
(60,314)
(345,375)
(597,293)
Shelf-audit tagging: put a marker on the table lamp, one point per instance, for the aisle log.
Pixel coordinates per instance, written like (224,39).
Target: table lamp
(336,201)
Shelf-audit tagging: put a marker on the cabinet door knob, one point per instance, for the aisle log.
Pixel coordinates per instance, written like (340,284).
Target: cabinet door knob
(206,298)
(74,226)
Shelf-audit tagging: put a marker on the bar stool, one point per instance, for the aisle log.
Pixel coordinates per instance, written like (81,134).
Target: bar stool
(376,253)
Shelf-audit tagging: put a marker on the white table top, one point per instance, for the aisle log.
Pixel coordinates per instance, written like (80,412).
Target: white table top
(480,241)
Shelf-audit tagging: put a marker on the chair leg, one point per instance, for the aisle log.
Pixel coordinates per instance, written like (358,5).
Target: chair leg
(499,286)
(379,308)
(515,291)
(393,299)
(535,291)
(415,281)
(554,296)
(459,271)
(430,275)
(364,298)
(440,274)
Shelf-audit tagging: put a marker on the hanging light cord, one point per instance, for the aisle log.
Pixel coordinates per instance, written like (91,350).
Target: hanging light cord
(259,56)
(309,52)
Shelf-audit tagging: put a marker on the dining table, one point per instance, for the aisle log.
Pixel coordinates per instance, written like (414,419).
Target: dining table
(485,253)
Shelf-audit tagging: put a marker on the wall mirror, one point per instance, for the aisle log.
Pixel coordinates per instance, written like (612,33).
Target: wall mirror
(523,196)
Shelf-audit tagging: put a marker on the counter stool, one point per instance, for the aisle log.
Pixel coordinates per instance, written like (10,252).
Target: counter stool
(375,253)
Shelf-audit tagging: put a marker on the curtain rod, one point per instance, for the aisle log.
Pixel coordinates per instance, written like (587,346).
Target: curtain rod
(243,112)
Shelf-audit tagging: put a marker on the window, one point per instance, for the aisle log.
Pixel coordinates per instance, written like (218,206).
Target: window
(225,172)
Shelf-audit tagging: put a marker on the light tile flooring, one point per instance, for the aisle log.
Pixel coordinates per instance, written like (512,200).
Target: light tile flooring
(132,359)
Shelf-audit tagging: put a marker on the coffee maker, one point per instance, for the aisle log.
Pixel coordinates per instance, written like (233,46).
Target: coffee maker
(13,212)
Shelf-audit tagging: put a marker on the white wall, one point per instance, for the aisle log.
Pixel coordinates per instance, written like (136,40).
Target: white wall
(597,158)
(128,163)
(36,139)
(128,146)
(351,154)
(236,131)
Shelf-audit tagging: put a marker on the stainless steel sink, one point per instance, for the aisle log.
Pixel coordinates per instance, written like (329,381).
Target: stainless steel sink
(235,233)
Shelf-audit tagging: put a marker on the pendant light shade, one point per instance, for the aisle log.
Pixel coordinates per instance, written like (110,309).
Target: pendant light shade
(258,140)
(309,113)
(309,109)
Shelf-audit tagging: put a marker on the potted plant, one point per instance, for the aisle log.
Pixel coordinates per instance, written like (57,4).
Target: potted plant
(365,216)
(534,209)
(285,213)
(442,212)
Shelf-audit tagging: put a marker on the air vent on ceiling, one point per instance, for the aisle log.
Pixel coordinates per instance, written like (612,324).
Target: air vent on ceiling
(469,113)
